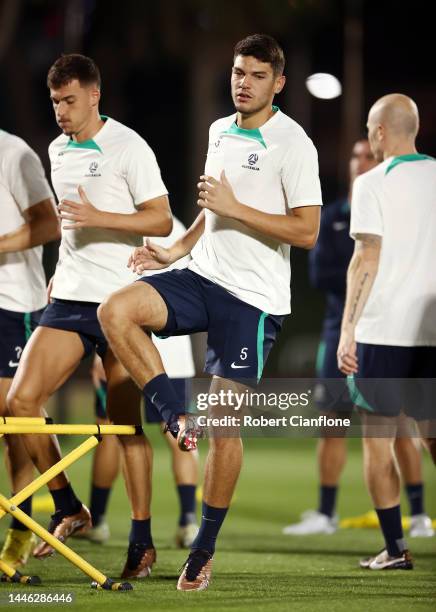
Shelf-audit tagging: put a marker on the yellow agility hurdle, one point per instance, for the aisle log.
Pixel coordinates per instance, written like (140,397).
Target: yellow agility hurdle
(24,421)
(18,425)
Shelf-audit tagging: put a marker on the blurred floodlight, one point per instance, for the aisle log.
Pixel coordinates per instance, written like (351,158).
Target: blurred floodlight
(323,85)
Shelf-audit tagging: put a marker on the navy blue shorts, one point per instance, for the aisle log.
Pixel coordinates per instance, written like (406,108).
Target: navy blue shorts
(240,336)
(15,330)
(394,379)
(79,317)
(331,390)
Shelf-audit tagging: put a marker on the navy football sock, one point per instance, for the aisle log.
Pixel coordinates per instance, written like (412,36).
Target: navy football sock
(390,523)
(415,495)
(140,533)
(161,393)
(327,500)
(187,504)
(25,506)
(99,500)
(211,521)
(66,501)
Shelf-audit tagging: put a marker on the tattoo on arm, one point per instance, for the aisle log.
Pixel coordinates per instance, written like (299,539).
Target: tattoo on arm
(357,298)
(367,253)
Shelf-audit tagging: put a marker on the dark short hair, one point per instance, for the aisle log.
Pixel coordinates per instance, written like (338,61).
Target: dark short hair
(264,48)
(73,66)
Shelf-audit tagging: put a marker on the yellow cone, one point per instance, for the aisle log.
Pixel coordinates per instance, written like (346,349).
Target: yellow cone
(370,521)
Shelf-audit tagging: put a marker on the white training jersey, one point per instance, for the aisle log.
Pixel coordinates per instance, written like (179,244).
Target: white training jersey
(118,171)
(272,169)
(397,201)
(22,185)
(176,351)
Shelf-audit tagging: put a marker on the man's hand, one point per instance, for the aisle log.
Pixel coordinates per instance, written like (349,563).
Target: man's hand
(80,215)
(149,257)
(347,357)
(217,196)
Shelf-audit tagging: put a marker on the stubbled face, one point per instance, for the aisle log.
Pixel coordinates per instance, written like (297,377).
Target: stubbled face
(253,84)
(361,159)
(73,105)
(375,137)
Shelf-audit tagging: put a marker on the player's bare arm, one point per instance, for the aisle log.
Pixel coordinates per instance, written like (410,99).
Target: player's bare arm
(299,228)
(41,226)
(153,217)
(360,279)
(155,257)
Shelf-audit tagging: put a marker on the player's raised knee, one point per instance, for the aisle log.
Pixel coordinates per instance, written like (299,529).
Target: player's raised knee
(22,403)
(111,312)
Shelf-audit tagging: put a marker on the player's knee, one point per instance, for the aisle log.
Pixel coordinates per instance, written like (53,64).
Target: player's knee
(111,313)
(22,403)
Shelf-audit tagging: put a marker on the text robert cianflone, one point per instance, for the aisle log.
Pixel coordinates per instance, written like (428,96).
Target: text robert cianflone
(263,421)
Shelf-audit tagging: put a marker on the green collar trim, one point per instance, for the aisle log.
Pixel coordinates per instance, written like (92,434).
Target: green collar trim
(86,144)
(406,158)
(253,134)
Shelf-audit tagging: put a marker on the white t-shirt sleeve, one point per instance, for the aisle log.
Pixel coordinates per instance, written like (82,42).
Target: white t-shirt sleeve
(143,173)
(366,217)
(300,175)
(26,178)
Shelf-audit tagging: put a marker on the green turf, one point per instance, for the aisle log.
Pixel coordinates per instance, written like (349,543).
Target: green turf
(255,567)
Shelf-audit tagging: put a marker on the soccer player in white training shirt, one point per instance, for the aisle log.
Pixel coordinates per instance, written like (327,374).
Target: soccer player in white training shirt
(260,195)
(28,220)
(389,323)
(328,270)
(111,194)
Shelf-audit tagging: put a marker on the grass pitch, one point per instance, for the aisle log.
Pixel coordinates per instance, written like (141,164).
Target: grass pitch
(256,567)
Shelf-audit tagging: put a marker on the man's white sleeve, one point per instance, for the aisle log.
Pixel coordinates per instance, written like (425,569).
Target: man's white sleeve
(366,217)
(26,178)
(300,175)
(143,173)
